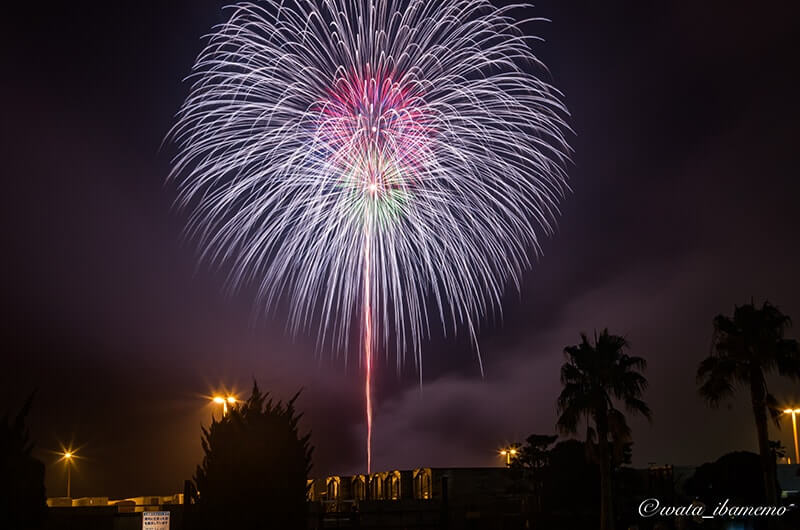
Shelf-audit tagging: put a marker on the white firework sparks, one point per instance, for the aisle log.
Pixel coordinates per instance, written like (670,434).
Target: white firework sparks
(374,163)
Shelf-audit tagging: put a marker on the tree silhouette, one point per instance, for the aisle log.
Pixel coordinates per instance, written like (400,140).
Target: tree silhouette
(735,476)
(545,475)
(564,494)
(22,494)
(777,450)
(745,349)
(255,469)
(529,468)
(595,376)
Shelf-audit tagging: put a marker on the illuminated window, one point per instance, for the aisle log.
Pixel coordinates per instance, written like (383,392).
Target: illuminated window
(359,488)
(376,487)
(422,484)
(393,486)
(334,486)
(310,489)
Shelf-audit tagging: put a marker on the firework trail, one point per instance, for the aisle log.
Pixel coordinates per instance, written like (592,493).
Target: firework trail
(373,165)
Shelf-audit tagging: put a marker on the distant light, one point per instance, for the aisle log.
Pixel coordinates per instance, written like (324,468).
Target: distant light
(68,455)
(231,400)
(513,451)
(219,400)
(503,452)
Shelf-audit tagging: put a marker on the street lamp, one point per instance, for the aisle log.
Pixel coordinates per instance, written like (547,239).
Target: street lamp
(219,400)
(509,453)
(794,413)
(67,456)
(224,401)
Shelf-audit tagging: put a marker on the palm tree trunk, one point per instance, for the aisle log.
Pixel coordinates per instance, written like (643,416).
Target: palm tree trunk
(606,498)
(758,394)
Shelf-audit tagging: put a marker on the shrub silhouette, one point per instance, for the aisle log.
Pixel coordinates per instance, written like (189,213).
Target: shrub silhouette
(255,469)
(23,504)
(735,476)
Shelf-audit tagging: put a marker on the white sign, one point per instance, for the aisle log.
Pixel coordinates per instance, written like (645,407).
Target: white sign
(155,520)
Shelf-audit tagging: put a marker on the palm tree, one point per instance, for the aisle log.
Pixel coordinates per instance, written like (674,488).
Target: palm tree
(744,350)
(596,376)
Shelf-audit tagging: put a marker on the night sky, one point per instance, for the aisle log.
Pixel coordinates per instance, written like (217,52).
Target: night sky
(684,180)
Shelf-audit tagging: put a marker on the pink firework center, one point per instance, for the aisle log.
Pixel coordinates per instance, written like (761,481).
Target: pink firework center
(376,132)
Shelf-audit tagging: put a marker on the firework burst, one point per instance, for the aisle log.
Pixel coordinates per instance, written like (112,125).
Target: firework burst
(376,164)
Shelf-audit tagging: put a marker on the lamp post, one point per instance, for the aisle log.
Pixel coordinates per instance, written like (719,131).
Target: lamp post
(794,413)
(509,454)
(219,400)
(67,457)
(224,401)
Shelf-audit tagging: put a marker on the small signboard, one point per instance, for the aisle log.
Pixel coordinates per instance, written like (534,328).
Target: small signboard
(155,520)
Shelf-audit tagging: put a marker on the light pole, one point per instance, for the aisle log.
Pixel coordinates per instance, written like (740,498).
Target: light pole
(224,401)
(67,457)
(509,454)
(219,400)
(794,413)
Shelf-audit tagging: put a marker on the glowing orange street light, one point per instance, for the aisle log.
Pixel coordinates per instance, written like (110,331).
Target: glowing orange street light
(794,413)
(67,456)
(219,400)
(509,453)
(224,401)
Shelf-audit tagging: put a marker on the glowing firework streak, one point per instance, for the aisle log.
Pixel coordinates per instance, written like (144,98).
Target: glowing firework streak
(372,163)
(368,346)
